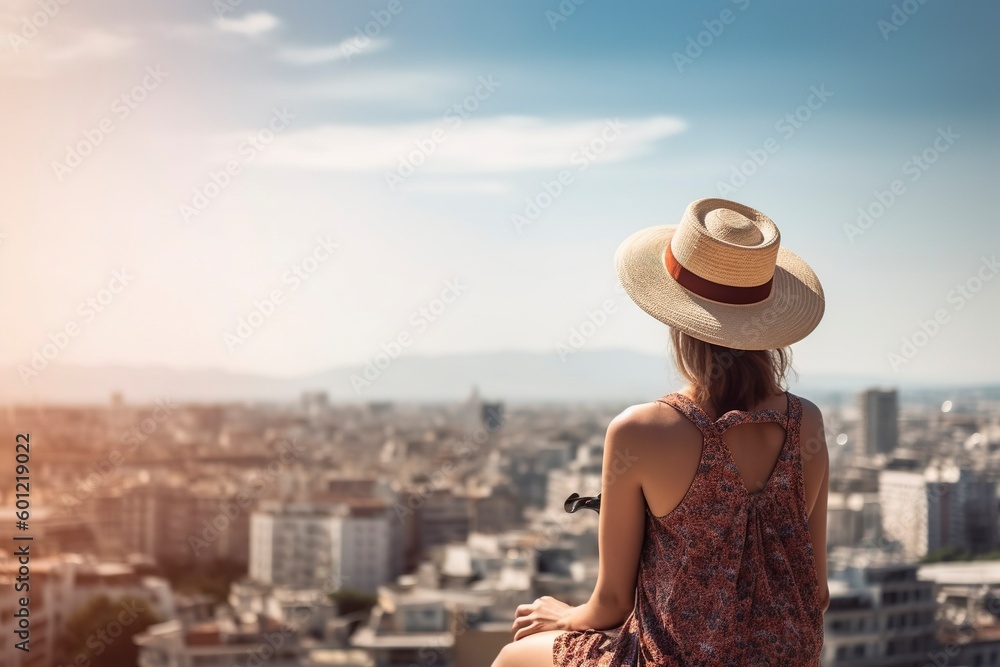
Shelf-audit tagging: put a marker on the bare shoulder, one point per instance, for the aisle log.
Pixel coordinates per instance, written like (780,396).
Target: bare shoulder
(812,437)
(651,422)
(811,414)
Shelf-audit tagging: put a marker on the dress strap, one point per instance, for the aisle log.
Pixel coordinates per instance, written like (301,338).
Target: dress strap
(691,410)
(787,420)
(794,421)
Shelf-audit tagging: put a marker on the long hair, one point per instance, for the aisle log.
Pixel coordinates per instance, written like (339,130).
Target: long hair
(726,378)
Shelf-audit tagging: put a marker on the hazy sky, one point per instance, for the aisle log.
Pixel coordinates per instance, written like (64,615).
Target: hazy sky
(166,171)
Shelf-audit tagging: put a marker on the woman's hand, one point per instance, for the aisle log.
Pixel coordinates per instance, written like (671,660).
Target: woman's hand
(545,613)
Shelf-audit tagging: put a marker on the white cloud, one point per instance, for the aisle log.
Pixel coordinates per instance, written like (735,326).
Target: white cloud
(345,50)
(478,145)
(252,24)
(50,49)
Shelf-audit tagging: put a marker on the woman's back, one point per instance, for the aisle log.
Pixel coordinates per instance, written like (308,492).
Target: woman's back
(728,572)
(675,443)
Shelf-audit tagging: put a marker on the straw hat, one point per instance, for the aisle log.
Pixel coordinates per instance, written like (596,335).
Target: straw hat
(722,276)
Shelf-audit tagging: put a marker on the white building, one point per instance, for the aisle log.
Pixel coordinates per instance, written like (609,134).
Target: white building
(944,506)
(309,544)
(852,519)
(880,612)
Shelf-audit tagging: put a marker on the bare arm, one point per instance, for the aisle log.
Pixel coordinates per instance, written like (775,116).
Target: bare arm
(816,476)
(622,527)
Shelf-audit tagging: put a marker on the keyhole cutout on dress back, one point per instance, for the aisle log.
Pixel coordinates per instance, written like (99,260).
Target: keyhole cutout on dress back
(755,449)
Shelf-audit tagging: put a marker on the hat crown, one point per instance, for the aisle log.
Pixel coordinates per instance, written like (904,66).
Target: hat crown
(726,243)
(732,227)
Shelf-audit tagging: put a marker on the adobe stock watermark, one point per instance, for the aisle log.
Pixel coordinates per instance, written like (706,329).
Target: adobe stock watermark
(121,108)
(291,280)
(594,320)
(964,634)
(703,40)
(464,450)
(364,35)
(582,158)
(916,166)
(786,127)
(246,152)
(34,23)
(230,510)
(98,642)
(262,653)
(223,7)
(898,17)
(562,12)
(896,525)
(451,119)
(420,320)
(87,311)
(957,298)
(108,467)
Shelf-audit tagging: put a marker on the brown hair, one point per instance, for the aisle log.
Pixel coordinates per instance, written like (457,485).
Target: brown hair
(726,379)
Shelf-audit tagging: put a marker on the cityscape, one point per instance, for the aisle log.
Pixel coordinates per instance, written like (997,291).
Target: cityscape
(388,534)
(317,314)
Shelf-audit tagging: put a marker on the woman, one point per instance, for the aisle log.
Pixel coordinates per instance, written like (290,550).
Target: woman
(713,541)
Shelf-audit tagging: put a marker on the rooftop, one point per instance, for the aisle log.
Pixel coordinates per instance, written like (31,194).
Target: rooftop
(970,573)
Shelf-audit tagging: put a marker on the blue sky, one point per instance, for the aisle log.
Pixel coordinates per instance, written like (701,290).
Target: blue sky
(344,123)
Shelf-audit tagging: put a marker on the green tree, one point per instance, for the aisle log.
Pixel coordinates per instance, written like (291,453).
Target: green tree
(945,555)
(349,601)
(99,634)
(212,577)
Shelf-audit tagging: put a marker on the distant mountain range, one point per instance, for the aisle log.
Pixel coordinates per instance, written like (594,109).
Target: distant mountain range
(618,376)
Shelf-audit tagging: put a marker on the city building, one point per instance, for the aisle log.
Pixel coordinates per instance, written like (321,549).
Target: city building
(413,625)
(219,643)
(494,509)
(968,597)
(942,506)
(492,416)
(315,403)
(853,519)
(880,613)
(308,544)
(62,585)
(174,523)
(879,421)
(444,517)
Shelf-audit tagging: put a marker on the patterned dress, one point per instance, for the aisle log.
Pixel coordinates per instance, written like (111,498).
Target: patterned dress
(728,577)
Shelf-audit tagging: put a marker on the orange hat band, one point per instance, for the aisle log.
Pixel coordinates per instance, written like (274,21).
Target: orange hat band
(713,290)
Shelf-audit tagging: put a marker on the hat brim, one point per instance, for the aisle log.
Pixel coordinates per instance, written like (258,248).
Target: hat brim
(792,310)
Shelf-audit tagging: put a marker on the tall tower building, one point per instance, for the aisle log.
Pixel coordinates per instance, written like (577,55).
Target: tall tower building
(879,421)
